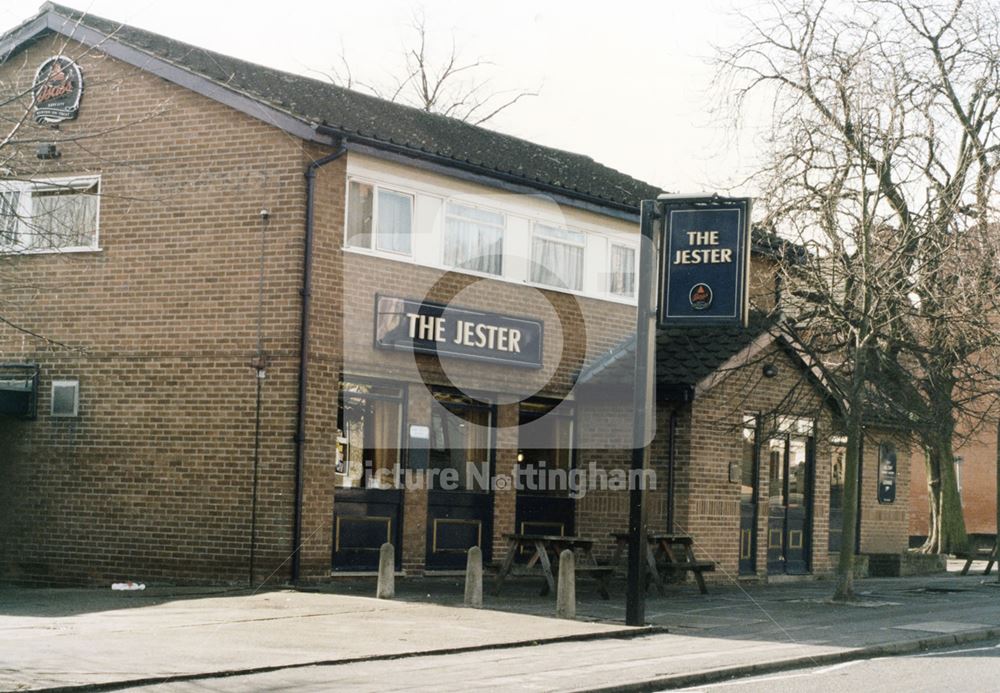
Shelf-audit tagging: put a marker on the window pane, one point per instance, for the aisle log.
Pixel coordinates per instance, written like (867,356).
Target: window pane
(545,443)
(776,471)
(556,264)
(9,202)
(460,441)
(622,270)
(359,215)
(837,466)
(796,472)
(748,466)
(63,218)
(371,427)
(473,239)
(394,221)
(484,216)
(564,235)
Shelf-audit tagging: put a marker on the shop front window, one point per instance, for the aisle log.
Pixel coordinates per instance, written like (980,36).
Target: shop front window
(369,436)
(460,444)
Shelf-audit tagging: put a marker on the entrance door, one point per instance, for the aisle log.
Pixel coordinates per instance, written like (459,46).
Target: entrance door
(790,465)
(749,486)
(367,505)
(545,456)
(460,497)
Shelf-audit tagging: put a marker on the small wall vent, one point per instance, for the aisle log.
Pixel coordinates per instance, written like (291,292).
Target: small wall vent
(65,398)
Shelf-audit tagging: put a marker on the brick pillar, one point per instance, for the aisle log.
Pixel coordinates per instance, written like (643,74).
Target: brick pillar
(505,465)
(418,412)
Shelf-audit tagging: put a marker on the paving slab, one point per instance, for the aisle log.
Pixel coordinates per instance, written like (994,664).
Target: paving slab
(65,637)
(338,637)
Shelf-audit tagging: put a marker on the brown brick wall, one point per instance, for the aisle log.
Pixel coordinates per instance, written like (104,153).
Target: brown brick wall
(153,480)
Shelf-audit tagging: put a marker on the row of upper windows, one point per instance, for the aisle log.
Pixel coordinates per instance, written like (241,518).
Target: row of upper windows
(477,239)
(49,215)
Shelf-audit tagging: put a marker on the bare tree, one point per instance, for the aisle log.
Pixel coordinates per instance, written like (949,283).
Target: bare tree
(448,85)
(883,160)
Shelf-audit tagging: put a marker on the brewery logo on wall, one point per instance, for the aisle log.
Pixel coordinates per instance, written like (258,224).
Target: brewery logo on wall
(58,88)
(700,296)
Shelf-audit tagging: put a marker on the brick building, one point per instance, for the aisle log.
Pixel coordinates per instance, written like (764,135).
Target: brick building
(237,300)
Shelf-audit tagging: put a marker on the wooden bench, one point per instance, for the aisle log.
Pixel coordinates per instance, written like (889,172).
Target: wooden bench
(670,553)
(984,548)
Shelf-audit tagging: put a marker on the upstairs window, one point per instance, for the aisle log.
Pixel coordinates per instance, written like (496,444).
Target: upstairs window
(622,270)
(49,216)
(557,257)
(473,238)
(379,216)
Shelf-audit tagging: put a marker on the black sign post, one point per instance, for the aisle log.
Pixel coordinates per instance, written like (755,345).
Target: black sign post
(702,244)
(644,405)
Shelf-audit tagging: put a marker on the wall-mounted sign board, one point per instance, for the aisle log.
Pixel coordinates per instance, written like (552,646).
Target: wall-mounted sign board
(704,260)
(424,327)
(886,473)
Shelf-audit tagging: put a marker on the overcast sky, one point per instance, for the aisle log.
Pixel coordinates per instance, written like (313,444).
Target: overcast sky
(630,84)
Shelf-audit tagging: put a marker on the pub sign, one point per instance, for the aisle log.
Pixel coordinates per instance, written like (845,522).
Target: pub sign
(58,87)
(704,260)
(424,327)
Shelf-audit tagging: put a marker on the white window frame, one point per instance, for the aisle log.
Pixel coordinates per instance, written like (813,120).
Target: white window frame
(582,245)
(75,384)
(428,234)
(26,209)
(445,215)
(612,244)
(377,188)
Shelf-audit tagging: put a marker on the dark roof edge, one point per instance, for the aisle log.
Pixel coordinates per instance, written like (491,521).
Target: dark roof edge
(484,176)
(50,20)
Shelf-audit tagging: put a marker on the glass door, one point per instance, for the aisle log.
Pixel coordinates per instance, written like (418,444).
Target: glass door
(460,492)
(790,468)
(367,506)
(545,459)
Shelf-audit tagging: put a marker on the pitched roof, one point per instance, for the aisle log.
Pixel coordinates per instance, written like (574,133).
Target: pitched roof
(684,357)
(359,116)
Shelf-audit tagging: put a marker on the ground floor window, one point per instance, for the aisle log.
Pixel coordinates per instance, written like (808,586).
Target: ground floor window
(369,434)
(461,443)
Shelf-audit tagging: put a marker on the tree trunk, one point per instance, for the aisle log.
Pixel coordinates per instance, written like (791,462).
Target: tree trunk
(933,464)
(946,529)
(845,564)
(951,521)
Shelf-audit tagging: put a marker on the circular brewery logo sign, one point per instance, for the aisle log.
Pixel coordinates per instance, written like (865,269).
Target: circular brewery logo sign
(700,296)
(58,87)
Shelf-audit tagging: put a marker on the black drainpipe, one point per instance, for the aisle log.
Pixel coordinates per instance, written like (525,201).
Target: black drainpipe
(300,432)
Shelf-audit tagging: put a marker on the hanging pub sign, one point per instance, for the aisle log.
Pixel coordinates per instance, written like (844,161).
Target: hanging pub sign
(886,473)
(57,91)
(424,327)
(704,260)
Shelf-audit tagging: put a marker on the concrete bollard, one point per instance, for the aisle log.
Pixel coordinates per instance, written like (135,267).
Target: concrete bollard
(566,586)
(474,578)
(386,572)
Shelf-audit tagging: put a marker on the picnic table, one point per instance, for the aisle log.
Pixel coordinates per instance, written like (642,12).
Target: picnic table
(544,550)
(984,548)
(669,552)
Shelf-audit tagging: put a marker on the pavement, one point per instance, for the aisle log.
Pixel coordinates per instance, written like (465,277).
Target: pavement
(174,639)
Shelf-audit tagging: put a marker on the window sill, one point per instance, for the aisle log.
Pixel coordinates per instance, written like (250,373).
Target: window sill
(52,251)
(407,259)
